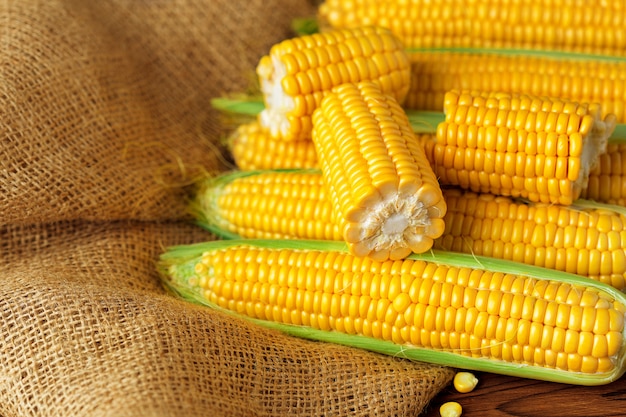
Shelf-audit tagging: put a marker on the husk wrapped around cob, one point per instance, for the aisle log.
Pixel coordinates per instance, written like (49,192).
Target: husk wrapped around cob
(444,308)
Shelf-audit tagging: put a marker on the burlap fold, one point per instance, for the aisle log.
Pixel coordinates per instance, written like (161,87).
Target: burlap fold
(105,125)
(104,105)
(88,331)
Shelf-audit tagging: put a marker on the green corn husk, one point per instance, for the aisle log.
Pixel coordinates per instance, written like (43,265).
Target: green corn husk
(177,266)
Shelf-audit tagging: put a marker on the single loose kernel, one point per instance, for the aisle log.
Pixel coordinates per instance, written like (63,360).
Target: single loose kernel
(465,382)
(450,409)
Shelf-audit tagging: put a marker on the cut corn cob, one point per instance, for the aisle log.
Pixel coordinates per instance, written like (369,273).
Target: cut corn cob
(384,194)
(576,77)
(252,148)
(607,181)
(592,27)
(588,239)
(469,312)
(585,238)
(297,73)
(541,149)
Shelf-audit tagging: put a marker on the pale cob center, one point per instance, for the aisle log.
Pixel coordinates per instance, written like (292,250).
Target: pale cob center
(398,222)
(594,145)
(607,182)
(277,103)
(470,312)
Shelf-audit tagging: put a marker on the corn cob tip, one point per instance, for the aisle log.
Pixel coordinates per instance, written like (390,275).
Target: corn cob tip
(396,225)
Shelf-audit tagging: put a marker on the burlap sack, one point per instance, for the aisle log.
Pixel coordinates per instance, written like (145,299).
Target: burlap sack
(88,331)
(104,126)
(104,105)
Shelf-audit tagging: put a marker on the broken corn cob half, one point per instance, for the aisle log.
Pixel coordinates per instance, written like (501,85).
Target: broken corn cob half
(585,238)
(537,148)
(384,194)
(298,72)
(470,312)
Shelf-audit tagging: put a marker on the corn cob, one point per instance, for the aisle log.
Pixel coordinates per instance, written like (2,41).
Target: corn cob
(576,77)
(586,238)
(384,195)
(591,27)
(469,312)
(298,72)
(252,148)
(607,181)
(541,149)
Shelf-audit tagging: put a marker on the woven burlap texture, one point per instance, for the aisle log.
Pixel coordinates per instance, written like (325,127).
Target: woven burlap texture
(105,124)
(104,107)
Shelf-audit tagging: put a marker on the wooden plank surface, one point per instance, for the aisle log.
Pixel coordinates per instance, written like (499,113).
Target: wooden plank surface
(504,396)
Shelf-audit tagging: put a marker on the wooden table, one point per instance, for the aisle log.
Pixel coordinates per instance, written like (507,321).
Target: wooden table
(502,396)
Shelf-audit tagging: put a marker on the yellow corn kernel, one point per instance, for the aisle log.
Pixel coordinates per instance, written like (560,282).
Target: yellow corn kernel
(567,343)
(252,148)
(384,194)
(297,73)
(607,181)
(490,23)
(465,382)
(519,145)
(450,409)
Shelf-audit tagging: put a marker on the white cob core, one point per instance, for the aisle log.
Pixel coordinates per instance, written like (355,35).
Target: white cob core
(277,103)
(395,223)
